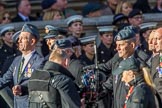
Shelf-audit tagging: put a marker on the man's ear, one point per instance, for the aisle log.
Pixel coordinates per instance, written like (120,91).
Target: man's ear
(33,41)
(133,44)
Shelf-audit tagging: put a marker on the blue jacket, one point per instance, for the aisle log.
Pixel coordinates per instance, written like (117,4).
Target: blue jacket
(36,61)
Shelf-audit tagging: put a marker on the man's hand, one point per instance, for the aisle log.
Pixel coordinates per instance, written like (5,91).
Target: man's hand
(17,90)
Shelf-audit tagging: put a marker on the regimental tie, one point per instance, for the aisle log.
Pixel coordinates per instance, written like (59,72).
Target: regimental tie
(160,66)
(20,68)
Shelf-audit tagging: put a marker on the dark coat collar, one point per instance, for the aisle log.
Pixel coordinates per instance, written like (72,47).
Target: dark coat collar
(51,66)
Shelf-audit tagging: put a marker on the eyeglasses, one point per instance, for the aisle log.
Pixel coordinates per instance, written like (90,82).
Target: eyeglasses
(4,18)
(138,17)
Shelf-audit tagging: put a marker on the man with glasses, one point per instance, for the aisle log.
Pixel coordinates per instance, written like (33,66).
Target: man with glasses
(135,17)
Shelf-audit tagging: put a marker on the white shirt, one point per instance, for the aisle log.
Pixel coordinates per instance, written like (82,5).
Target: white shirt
(27,58)
(23,17)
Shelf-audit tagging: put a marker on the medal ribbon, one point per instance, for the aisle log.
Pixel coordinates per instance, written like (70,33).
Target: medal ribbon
(128,95)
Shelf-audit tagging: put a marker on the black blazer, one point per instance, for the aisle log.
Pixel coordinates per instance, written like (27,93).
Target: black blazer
(19,19)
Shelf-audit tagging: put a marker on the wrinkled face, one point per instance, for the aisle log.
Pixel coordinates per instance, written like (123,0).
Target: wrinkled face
(107,38)
(126,9)
(136,20)
(26,41)
(158,41)
(8,37)
(146,34)
(76,28)
(89,48)
(25,7)
(124,48)
(151,43)
(127,76)
(57,16)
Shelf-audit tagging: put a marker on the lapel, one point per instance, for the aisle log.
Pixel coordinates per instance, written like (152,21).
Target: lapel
(16,70)
(155,64)
(28,68)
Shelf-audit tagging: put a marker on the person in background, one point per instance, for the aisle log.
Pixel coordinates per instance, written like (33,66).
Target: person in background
(135,17)
(106,49)
(53,34)
(151,46)
(145,30)
(60,5)
(2,6)
(52,15)
(6,18)
(142,5)
(23,11)
(92,9)
(75,25)
(111,5)
(138,80)
(158,7)
(2,9)
(53,86)
(8,48)
(124,7)
(88,55)
(6,92)
(156,64)
(119,21)
(76,45)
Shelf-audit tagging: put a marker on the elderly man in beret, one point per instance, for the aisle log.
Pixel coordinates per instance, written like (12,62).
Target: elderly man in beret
(22,67)
(126,47)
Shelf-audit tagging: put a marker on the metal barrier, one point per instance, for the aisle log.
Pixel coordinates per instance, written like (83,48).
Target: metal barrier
(89,23)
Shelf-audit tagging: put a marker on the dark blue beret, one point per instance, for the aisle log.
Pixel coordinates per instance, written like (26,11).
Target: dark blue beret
(31,29)
(62,44)
(124,34)
(47,3)
(91,7)
(15,37)
(54,31)
(134,12)
(74,41)
(118,17)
